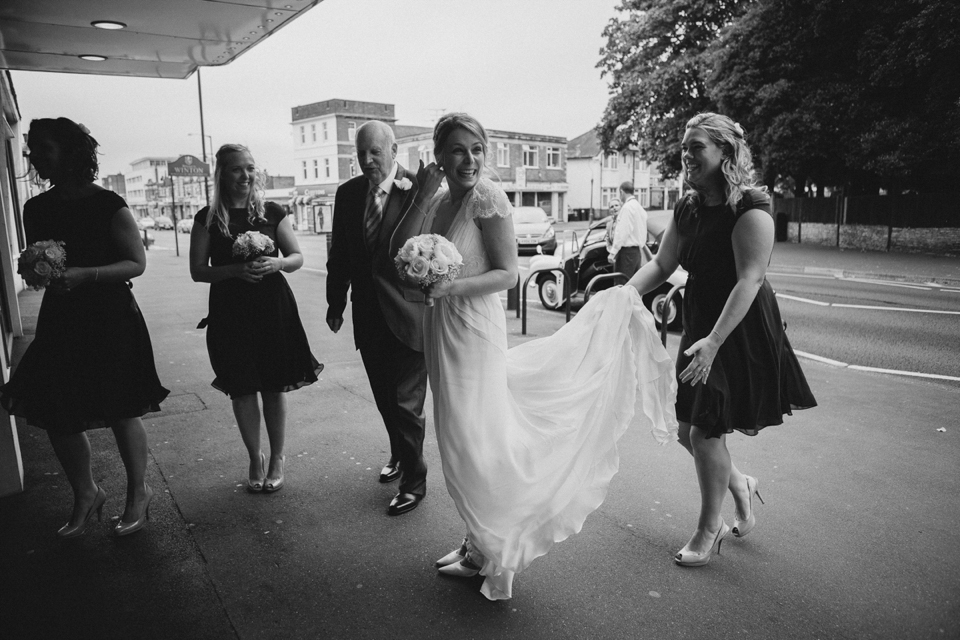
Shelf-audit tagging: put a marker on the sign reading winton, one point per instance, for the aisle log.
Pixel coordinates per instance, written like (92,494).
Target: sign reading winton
(188,166)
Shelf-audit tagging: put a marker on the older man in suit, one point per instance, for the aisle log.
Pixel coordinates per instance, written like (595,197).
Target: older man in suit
(387,312)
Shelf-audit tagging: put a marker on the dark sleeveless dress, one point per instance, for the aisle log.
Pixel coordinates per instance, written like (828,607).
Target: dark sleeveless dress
(255,339)
(755,378)
(91,361)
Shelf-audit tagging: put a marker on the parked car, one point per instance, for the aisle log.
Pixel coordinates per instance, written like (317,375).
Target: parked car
(185,225)
(534,230)
(146,222)
(163,222)
(589,259)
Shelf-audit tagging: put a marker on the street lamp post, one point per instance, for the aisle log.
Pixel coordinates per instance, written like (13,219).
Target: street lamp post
(203,146)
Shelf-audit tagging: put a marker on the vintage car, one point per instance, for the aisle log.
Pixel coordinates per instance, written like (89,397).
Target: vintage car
(534,230)
(589,260)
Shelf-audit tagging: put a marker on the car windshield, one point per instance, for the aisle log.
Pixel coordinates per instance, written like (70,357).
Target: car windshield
(528,216)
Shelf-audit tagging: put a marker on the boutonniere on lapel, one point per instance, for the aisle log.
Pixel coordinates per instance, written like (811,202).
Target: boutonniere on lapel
(403,184)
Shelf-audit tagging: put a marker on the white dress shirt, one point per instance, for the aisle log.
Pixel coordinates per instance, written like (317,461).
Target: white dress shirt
(631,226)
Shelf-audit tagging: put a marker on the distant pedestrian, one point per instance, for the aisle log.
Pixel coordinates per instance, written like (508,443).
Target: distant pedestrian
(630,233)
(255,339)
(614,208)
(736,369)
(91,363)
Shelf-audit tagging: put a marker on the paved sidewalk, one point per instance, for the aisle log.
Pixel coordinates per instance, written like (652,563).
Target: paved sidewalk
(856,539)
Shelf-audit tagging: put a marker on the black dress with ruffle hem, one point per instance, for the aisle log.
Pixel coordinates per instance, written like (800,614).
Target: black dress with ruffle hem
(91,361)
(755,378)
(255,339)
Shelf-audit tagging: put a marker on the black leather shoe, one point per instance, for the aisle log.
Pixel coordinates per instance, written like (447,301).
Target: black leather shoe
(402,503)
(390,472)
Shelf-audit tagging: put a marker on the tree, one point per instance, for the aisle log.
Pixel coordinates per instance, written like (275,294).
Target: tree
(848,93)
(653,56)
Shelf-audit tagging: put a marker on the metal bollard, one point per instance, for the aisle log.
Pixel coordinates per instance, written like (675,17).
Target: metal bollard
(513,296)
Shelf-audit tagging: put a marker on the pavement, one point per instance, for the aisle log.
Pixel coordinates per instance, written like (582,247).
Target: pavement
(857,538)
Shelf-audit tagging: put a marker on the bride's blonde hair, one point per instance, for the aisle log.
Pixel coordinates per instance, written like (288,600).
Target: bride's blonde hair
(219,214)
(450,122)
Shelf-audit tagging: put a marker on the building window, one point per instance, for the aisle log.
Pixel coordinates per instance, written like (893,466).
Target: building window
(313,132)
(316,169)
(644,197)
(304,163)
(303,136)
(530,156)
(503,154)
(609,193)
(553,157)
(326,166)
(351,131)
(324,128)
(353,168)
(610,161)
(426,157)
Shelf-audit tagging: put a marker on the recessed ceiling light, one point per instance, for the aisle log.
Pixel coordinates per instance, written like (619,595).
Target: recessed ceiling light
(92,58)
(108,24)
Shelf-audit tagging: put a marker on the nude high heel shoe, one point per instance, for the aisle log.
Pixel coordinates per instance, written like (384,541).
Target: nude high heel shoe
(691,559)
(66,531)
(126,528)
(275,484)
(462,569)
(454,556)
(255,485)
(743,527)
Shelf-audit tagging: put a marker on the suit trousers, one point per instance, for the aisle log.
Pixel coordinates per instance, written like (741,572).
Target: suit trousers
(398,379)
(627,261)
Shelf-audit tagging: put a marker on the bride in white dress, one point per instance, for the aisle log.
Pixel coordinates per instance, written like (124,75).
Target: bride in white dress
(527,436)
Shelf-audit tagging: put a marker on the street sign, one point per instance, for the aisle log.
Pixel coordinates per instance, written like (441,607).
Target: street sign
(188,166)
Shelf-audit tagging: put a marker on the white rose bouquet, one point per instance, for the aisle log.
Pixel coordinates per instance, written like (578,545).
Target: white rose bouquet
(428,258)
(42,262)
(250,245)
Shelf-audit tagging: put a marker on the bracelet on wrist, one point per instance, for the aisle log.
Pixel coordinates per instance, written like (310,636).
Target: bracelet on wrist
(719,337)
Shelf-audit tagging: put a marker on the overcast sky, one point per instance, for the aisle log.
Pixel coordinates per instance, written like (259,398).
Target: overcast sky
(519,65)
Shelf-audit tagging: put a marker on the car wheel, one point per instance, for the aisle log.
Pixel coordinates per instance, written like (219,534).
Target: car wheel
(656,304)
(551,296)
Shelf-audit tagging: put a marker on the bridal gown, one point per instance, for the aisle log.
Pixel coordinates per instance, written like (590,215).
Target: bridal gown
(528,436)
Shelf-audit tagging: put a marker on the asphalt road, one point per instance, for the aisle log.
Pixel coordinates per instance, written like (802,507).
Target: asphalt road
(887,325)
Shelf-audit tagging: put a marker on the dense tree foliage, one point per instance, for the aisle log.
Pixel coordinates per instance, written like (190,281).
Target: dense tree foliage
(856,94)
(653,57)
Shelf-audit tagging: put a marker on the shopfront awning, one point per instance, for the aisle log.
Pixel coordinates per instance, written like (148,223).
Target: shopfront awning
(143,38)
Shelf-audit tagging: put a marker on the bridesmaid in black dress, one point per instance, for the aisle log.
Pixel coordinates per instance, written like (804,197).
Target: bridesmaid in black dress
(255,339)
(91,363)
(736,369)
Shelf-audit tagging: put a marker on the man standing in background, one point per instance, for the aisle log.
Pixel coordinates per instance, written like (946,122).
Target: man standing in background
(629,234)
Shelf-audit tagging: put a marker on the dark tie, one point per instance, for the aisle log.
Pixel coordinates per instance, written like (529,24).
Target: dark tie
(373,216)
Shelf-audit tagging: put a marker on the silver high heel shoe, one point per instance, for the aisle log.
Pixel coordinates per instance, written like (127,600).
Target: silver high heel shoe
(126,528)
(256,485)
(66,531)
(274,484)
(462,569)
(691,559)
(743,527)
(454,556)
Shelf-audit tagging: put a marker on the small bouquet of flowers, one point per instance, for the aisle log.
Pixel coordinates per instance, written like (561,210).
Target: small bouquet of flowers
(428,258)
(42,262)
(250,245)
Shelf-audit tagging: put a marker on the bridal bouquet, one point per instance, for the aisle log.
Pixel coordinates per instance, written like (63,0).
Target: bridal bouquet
(251,245)
(428,258)
(42,262)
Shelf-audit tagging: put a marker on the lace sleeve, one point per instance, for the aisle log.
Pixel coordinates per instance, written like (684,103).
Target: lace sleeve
(487,200)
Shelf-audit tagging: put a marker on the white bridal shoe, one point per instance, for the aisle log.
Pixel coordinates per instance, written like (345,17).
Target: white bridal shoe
(454,556)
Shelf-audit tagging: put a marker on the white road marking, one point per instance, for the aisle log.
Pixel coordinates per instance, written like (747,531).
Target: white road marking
(873,308)
(886,283)
(807,300)
(323,271)
(857,367)
(905,373)
(865,306)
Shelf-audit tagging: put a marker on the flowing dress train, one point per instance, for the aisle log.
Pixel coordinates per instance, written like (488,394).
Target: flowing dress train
(528,436)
